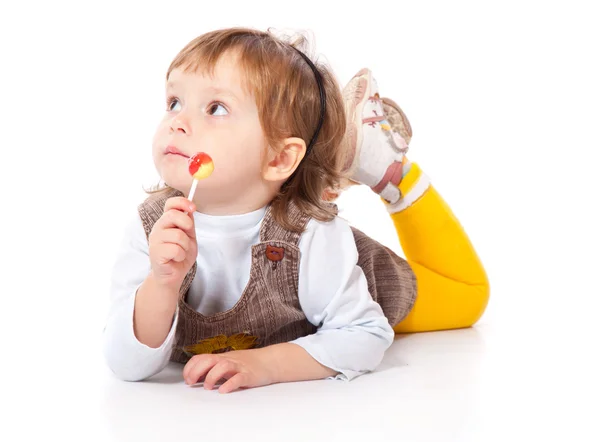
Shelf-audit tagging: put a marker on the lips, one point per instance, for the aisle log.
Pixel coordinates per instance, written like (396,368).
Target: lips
(174,151)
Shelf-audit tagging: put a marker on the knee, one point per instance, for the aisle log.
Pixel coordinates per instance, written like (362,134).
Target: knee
(477,304)
(460,307)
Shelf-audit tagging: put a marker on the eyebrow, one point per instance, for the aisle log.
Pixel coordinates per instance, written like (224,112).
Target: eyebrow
(211,89)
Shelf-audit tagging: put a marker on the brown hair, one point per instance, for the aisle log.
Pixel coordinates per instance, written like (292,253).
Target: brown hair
(287,98)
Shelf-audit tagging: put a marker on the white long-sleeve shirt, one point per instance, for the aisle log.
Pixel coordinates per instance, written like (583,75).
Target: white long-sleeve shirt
(352,333)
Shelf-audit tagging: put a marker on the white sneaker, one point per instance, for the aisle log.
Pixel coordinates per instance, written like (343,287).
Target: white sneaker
(375,150)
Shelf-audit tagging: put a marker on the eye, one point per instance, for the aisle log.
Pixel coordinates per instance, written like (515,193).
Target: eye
(217,109)
(171,102)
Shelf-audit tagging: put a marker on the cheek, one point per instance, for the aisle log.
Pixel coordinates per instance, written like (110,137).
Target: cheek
(161,131)
(252,151)
(246,159)
(156,155)
(158,142)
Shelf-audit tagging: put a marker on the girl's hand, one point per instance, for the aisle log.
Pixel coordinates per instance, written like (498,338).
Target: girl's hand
(172,244)
(243,368)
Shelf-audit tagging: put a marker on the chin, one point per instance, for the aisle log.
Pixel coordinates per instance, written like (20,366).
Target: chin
(175,182)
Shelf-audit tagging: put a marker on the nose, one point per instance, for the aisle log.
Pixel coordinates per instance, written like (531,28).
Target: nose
(180,124)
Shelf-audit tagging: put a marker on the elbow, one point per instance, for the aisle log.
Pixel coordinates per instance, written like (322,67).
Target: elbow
(122,369)
(127,375)
(122,363)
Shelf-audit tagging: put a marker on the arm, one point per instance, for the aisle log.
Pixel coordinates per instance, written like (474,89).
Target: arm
(129,357)
(290,363)
(353,332)
(153,312)
(254,368)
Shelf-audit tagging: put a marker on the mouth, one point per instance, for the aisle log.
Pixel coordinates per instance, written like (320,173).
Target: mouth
(172,150)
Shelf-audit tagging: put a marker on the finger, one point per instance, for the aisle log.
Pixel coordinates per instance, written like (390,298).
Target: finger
(223,370)
(187,370)
(200,368)
(175,236)
(187,209)
(238,381)
(171,252)
(176,219)
(180,203)
(191,232)
(189,364)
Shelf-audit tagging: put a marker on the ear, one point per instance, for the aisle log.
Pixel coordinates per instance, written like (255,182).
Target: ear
(281,165)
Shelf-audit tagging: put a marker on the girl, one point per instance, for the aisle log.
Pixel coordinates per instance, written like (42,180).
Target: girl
(257,281)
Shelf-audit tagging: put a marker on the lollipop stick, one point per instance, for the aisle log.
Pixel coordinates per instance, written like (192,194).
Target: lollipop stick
(192,191)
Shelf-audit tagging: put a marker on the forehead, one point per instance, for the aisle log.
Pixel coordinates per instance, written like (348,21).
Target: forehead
(226,76)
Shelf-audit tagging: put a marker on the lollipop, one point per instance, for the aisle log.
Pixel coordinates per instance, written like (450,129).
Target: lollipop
(200,166)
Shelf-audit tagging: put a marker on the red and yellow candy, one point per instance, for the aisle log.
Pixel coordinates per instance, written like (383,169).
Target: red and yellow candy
(201,166)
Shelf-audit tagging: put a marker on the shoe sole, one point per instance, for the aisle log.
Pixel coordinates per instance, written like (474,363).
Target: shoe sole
(397,119)
(355,96)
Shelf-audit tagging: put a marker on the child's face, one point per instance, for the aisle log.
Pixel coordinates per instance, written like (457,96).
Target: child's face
(216,116)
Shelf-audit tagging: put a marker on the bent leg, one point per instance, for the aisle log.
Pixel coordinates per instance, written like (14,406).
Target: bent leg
(452,285)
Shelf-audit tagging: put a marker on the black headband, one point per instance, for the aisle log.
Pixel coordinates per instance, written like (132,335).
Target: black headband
(322,97)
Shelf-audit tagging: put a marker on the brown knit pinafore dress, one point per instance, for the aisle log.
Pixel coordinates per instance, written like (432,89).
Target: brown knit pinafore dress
(268,311)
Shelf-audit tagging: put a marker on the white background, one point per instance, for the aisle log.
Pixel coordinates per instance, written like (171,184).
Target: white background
(504,102)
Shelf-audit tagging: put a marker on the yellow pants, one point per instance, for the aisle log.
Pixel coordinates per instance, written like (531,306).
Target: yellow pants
(452,286)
